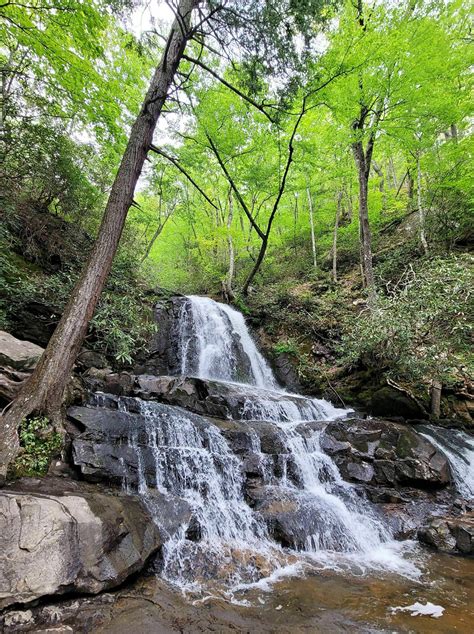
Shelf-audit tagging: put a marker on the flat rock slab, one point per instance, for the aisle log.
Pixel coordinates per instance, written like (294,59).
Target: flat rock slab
(58,537)
(21,355)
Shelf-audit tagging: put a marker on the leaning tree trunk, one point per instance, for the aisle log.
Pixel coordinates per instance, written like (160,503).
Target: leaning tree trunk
(43,392)
(256,266)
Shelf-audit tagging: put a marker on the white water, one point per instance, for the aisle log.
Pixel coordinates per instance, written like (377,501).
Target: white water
(458,447)
(335,525)
(220,337)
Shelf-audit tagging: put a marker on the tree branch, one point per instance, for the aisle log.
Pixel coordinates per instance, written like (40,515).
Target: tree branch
(176,163)
(234,187)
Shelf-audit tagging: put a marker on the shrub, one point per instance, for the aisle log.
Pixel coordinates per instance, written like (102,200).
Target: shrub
(39,445)
(423,328)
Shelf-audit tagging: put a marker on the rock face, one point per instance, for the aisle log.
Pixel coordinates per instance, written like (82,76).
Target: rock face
(390,402)
(20,355)
(104,451)
(224,400)
(162,356)
(450,534)
(58,537)
(375,452)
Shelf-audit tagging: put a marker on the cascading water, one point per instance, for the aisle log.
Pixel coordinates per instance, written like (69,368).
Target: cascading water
(458,447)
(226,538)
(215,344)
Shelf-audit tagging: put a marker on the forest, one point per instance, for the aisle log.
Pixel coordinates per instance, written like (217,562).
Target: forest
(305,163)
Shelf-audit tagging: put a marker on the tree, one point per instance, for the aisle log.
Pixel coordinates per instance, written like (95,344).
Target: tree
(43,392)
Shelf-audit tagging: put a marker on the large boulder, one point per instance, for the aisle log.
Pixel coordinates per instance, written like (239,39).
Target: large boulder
(377,452)
(58,537)
(17,354)
(162,356)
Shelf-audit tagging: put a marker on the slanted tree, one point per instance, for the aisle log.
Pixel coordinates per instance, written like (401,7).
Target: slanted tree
(43,392)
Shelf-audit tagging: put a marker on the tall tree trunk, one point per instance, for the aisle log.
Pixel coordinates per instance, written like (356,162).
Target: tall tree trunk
(311,223)
(334,241)
(410,190)
(43,392)
(227,283)
(256,267)
(380,173)
(436,388)
(421,211)
(365,234)
(393,172)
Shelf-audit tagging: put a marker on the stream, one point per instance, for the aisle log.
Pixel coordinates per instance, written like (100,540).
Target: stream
(342,569)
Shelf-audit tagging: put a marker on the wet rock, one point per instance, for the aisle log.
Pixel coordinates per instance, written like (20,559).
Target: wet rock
(391,402)
(295,519)
(35,322)
(162,355)
(104,451)
(225,400)
(91,359)
(58,537)
(119,384)
(383,453)
(284,368)
(450,534)
(20,355)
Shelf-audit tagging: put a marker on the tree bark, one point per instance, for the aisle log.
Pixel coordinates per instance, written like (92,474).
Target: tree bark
(410,190)
(436,388)
(311,223)
(363,169)
(227,283)
(334,241)
(43,392)
(421,211)
(380,173)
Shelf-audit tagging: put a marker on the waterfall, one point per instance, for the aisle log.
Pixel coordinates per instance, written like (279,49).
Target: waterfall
(227,541)
(458,447)
(214,343)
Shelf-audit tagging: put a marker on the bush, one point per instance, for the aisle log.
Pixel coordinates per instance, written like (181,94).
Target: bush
(423,328)
(39,445)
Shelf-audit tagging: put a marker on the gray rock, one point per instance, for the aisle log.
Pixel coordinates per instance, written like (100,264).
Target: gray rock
(378,452)
(217,398)
(104,452)
(91,359)
(21,355)
(391,402)
(120,383)
(58,537)
(450,534)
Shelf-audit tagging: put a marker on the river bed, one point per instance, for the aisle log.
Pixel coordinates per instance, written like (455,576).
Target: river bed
(324,602)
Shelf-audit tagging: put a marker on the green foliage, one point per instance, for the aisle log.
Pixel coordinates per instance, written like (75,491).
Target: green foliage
(423,329)
(285,347)
(39,445)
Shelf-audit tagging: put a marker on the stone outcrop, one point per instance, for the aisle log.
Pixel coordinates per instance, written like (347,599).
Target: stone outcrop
(451,533)
(376,452)
(219,399)
(162,355)
(17,354)
(58,537)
